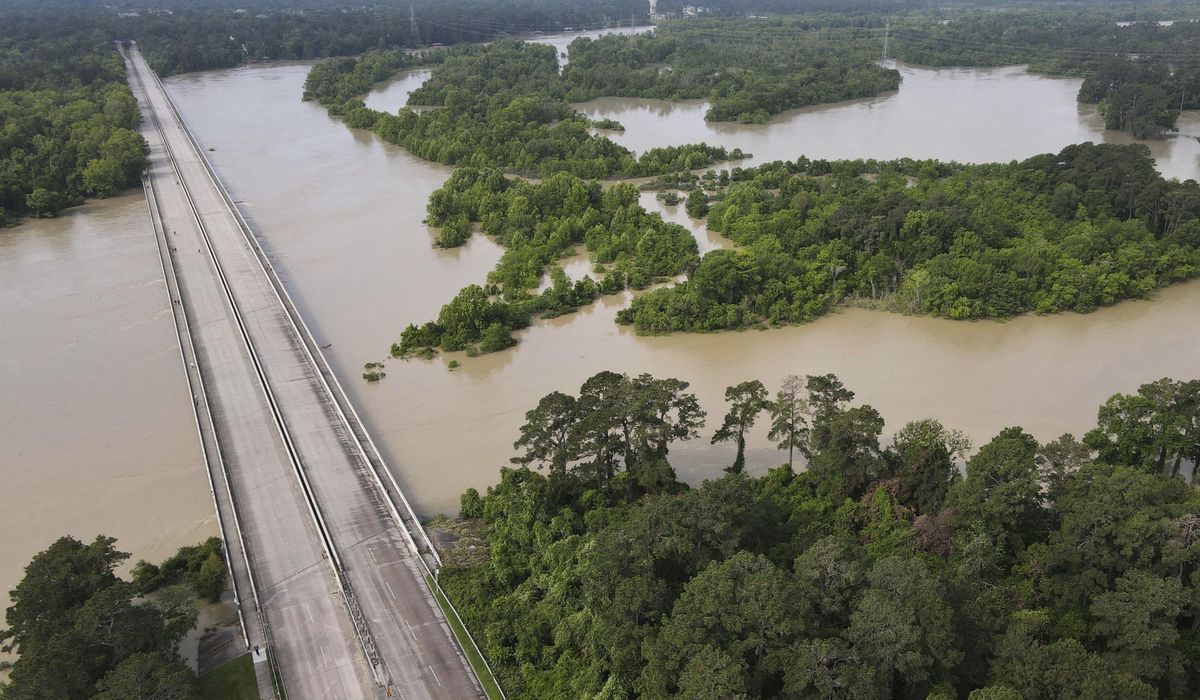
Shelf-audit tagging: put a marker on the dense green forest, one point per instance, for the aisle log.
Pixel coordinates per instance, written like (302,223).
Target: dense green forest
(537,224)
(1141,75)
(200,39)
(68,120)
(497,105)
(748,70)
(1069,569)
(67,123)
(83,632)
(1083,228)
(189,35)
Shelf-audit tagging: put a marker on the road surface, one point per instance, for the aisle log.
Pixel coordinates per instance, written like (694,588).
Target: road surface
(324,549)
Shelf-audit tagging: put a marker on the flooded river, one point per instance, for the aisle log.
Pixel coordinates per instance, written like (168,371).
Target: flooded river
(98,430)
(341,213)
(99,436)
(963,114)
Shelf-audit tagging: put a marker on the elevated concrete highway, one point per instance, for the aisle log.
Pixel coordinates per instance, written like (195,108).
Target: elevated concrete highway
(329,563)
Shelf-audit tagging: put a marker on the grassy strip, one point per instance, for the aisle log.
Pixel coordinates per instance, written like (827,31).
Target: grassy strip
(233,680)
(464,640)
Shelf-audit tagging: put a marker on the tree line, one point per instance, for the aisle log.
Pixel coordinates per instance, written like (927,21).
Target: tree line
(83,632)
(69,121)
(494,105)
(179,36)
(1089,226)
(69,118)
(1141,75)
(1064,569)
(747,69)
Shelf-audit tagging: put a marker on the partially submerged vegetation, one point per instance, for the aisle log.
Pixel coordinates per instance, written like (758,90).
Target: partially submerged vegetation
(1064,569)
(69,124)
(1076,230)
(83,632)
(1141,74)
(1073,231)
(498,105)
(747,69)
(538,223)
(1087,227)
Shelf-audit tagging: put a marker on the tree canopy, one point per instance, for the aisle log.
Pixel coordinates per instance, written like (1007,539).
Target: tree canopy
(83,632)
(876,572)
(1089,226)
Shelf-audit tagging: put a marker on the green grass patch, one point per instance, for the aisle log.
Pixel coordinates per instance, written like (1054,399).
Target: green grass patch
(464,640)
(233,680)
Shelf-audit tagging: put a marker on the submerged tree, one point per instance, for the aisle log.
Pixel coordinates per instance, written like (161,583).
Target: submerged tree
(80,630)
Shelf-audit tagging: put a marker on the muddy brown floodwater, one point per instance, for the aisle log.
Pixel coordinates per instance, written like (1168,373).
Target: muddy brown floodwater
(341,213)
(98,430)
(99,436)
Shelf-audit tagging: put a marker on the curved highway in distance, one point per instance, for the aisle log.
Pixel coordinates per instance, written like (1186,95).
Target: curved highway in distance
(331,570)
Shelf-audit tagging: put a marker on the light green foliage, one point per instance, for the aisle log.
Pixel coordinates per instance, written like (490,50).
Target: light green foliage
(201,566)
(960,241)
(697,204)
(67,118)
(470,504)
(538,223)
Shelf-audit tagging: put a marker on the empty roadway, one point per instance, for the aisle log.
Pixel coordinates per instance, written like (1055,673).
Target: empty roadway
(297,464)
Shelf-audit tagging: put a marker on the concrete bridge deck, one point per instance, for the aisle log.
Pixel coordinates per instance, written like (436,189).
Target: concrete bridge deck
(326,554)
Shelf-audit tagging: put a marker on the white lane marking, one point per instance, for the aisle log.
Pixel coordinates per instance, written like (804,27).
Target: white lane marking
(410,630)
(308,610)
(324,660)
(439,680)
(390,591)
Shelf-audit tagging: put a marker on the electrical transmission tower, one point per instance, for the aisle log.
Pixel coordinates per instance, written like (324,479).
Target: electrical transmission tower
(887,30)
(412,26)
